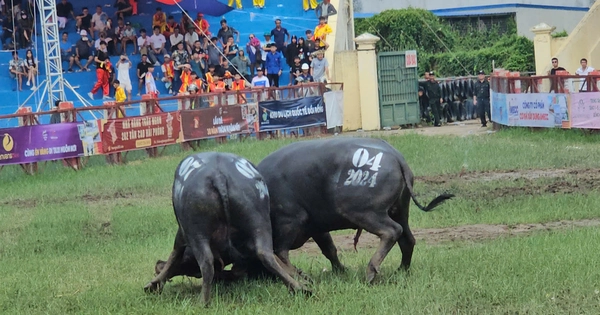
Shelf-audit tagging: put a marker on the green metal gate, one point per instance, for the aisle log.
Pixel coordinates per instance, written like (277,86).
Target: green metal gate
(398,89)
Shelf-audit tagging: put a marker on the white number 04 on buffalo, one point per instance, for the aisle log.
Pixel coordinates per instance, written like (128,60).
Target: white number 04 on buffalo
(363,176)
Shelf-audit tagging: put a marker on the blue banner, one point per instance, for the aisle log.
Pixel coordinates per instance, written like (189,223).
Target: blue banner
(296,113)
(499,108)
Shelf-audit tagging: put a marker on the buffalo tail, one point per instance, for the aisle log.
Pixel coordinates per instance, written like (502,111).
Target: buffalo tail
(408,180)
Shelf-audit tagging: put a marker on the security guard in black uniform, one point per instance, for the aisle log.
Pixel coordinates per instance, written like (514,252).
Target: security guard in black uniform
(434,92)
(481,98)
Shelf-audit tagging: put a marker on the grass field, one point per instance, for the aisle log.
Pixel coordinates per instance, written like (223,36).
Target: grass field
(86,242)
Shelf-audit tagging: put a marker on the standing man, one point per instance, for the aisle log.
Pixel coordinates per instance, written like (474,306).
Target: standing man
(554,81)
(225,32)
(280,36)
(583,71)
(319,68)
(434,91)
(325,9)
(102,72)
(274,66)
(481,98)
(142,69)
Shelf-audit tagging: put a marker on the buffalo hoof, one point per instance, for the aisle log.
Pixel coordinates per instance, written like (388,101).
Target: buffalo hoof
(302,290)
(153,287)
(372,271)
(305,276)
(339,269)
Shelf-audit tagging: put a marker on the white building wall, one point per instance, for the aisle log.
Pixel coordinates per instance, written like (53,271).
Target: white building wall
(562,20)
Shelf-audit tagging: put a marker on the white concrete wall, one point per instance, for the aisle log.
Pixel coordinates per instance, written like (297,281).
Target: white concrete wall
(375,6)
(562,20)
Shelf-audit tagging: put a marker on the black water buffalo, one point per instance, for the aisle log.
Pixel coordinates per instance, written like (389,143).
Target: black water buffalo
(221,204)
(318,186)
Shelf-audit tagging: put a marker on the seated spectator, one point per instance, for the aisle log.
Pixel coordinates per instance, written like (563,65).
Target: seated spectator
(321,31)
(230,49)
(198,48)
(30,65)
(168,70)
(123,9)
(185,23)
(143,43)
(110,44)
(158,42)
(254,51)
(210,74)
(175,39)
(203,31)
(128,35)
(325,9)
(25,30)
(98,21)
(8,33)
(83,51)
(66,51)
(225,32)
(171,27)
(84,22)
(64,9)
(119,31)
(226,72)
(159,19)
(16,70)
(241,63)
(583,71)
(110,31)
(190,38)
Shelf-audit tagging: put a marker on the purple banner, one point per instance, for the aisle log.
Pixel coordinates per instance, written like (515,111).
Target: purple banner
(37,143)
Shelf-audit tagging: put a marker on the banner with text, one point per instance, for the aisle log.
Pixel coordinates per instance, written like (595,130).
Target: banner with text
(214,122)
(585,110)
(37,143)
(296,113)
(140,132)
(531,110)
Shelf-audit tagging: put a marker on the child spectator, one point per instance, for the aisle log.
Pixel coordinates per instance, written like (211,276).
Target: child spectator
(123,66)
(30,65)
(168,70)
(274,66)
(149,82)
(321,31)
(159,19)
(119,92)
(16,70)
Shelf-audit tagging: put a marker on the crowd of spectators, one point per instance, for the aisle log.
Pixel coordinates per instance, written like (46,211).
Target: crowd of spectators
(183,55)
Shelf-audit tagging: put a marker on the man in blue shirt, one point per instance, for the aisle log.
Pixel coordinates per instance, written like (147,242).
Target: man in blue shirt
(67,51)
(279,36)
(273,65)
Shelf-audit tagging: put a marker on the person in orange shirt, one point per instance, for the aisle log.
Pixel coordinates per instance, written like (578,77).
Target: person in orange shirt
(159,19)
(185,78)
(170,27)
(239,84)
(218,84)
(204,26)
(168,69)
(321,31)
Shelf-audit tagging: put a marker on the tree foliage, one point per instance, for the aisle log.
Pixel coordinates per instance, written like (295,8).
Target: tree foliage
(445,50)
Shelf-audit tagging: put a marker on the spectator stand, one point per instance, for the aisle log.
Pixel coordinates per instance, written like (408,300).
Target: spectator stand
(247,21)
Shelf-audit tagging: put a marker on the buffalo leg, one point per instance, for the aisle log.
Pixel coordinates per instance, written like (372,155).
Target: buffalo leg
(325,243)
(389,232)
(205,258)
(264,252)
(407,240)
(282,257)
(170,267)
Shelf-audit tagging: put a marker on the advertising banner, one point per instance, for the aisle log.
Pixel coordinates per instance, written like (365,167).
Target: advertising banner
(89,133)
(214,122)
(499,108)
(585,110)
(140,132)
(531,110)
(37,143)
(296,113)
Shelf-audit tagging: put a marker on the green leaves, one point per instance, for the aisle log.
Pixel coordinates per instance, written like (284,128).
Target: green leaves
(448,51)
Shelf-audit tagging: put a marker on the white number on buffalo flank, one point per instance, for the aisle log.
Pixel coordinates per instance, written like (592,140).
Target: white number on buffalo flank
(188,166)
(361,158)
(358,177)
(361,178)
(246,169)
(262,188)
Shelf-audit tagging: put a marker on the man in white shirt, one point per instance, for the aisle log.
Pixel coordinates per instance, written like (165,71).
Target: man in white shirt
(190,38)
(158,42)
(175,39)
(260,81)
(583,71)
(143,43)
(99,21)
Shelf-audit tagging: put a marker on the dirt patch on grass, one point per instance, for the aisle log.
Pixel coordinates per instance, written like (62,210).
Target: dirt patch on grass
(465,233)
(20,203)
(510,175)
